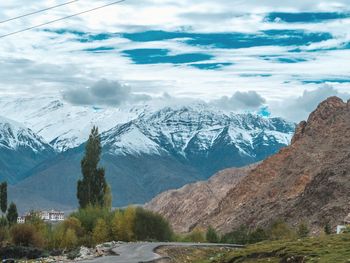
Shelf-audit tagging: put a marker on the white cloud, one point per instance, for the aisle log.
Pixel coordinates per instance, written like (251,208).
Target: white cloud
(299,108)
(38,62)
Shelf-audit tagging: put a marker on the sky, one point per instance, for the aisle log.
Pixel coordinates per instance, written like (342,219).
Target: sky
(280,57)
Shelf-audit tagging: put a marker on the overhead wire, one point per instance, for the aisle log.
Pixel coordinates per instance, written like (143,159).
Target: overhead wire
(62,18)
(37,12)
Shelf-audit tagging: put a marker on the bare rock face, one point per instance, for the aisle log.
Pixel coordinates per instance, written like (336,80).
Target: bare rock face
(307,181)
(186,206)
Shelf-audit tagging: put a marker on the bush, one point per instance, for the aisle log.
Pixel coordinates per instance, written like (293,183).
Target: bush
(151,226)
(257,236)
(74,224)
(3,221)
(303,230)
(89,216)
(212,236)
(123,224)
(26,235)
(196,236)
(4,235)
(237,236)
(100,233)
(328,228)
(280,230)
(69,240)
(243,235)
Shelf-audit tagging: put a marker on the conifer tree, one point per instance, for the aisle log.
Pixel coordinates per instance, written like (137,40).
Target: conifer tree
(92,187)
(3,197)
(12,214)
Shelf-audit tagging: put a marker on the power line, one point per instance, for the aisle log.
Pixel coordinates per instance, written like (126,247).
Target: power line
(60,19)
(37,12)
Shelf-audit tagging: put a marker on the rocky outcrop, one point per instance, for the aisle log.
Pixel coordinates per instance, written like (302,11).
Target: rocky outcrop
(308,180)
(186,206)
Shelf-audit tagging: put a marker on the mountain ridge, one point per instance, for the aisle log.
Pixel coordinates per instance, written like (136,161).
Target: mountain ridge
(307,180)
(162,150)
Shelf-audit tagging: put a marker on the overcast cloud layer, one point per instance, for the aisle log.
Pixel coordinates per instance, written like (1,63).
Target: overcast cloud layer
(234,54)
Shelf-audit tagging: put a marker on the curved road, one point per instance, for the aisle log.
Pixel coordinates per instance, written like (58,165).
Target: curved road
(144,252)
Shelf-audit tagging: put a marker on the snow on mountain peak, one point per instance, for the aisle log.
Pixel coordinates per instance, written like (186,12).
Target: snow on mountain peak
(179,130)
(13,136)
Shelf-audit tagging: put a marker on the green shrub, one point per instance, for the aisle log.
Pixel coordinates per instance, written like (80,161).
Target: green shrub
(151,226)
(281,230)
(237,236)
(212,236)
(257,236)
(303,230)
(3,221)
(89,216)
(100,233)
(243,235)
(4,234)
(123,224)
(69,240)
(328,229)
(196,236)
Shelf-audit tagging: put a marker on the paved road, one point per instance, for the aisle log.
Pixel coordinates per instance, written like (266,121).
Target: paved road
(144,252)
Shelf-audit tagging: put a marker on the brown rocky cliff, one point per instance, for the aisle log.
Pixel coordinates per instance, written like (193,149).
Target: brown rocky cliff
(185,207)
(314,171)
(308,180)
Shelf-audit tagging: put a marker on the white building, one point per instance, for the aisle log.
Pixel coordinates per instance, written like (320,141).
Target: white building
(47,216)
(54,216)
(21,220)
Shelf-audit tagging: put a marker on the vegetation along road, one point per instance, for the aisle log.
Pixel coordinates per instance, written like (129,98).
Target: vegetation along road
(144,252)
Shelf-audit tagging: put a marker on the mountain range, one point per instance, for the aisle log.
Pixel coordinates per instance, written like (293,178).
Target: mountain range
(307,181)
(145,152)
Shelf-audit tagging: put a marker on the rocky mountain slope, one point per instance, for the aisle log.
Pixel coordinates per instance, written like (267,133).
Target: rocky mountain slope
(308,180)
(20,150)
(162,150)
(187,205)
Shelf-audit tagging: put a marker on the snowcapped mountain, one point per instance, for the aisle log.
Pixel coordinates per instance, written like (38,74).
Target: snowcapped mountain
(197,134)
(20,150)
(64,125)
(163,149)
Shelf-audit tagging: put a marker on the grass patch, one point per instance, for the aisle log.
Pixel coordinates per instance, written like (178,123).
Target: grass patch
(324,249)
(192,254)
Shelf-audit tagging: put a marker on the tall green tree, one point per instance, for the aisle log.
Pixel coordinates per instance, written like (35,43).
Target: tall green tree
(92,187)
(12,214)
(3,197)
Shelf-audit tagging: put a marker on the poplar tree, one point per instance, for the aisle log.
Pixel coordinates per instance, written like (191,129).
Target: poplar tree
(12,214)
(3,197)
(92,187)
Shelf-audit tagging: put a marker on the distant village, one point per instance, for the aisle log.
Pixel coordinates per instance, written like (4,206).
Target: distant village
(52,216)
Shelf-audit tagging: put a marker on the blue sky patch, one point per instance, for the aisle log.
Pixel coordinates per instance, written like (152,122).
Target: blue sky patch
(234,40)
(159,56)
(284,59)
(210,66)
(99,49)
(330,80)
(304,17)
